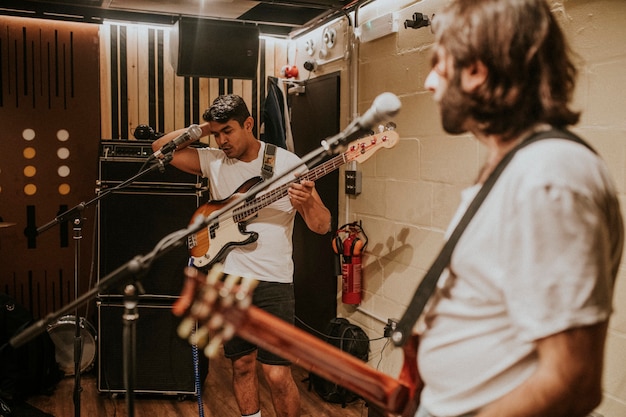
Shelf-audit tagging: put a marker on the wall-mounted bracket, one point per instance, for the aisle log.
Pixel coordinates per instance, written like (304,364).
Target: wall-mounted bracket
(420,20)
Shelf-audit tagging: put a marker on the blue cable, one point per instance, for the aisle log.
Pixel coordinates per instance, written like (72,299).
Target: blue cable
(196,370)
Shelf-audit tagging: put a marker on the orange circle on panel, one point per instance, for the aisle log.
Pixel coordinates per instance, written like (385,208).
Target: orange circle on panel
(64,189)
(30,189)
(30,171)
(29,152)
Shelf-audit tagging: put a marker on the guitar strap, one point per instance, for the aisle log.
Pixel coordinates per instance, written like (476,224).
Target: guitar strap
(269,159)
(427,287)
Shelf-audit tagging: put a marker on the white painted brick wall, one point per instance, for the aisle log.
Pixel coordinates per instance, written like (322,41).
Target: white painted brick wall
(411,191)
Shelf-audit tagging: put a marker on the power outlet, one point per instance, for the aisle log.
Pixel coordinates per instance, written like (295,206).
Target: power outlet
(353,182)
(390,327)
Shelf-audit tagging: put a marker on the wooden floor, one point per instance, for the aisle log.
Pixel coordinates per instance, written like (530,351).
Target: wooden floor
(217,397)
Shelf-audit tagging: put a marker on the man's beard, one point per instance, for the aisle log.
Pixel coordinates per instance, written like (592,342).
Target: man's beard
(455,107)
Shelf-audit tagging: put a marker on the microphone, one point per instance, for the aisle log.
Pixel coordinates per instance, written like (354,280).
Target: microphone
(385,106)
(193,133)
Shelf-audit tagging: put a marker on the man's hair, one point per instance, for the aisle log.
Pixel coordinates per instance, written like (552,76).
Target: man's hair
(225,108)
(531,76)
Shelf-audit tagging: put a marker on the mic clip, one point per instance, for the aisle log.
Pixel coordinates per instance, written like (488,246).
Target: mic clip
(164,160)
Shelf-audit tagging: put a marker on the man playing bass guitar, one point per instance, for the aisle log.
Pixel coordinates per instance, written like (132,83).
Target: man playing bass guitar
(268,257)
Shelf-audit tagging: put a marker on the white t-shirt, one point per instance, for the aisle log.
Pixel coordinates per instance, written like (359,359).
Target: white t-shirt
(539,257)
(269,258)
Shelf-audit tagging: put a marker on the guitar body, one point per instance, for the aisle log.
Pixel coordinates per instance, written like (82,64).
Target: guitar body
(213,242)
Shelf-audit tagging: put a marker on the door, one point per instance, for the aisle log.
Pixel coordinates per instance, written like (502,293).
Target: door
(314,117)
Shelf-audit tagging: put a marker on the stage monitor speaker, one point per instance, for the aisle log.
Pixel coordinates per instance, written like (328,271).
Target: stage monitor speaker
(164,362)
(215,49)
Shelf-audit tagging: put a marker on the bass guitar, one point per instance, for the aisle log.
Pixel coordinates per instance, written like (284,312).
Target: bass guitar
(222,307)
(213,242)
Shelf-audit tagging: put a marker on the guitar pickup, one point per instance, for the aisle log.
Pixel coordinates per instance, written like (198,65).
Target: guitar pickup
(212,228)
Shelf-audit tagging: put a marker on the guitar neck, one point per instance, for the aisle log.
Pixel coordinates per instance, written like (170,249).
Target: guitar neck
(319,357)
(359,151)
(251,207)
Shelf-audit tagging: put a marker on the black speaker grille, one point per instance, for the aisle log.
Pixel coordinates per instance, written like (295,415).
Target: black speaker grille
(132,221)
(164,362)
(218,49)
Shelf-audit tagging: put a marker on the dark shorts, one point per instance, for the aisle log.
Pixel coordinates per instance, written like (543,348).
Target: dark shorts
(277,299)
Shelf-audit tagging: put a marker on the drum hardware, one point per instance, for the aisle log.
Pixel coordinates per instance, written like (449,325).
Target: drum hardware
(62,333)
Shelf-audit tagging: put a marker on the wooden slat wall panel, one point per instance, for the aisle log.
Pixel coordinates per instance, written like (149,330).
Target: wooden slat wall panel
(49,87)
(138,61)
(105,82)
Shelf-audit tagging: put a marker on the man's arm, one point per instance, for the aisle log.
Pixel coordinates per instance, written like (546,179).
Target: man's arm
(185,159)
(307,202)
(568,381)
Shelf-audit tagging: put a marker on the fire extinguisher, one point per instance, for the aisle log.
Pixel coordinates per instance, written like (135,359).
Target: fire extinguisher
(349,245)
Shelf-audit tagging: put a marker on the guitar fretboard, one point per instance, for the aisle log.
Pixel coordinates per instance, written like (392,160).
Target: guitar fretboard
(251,207)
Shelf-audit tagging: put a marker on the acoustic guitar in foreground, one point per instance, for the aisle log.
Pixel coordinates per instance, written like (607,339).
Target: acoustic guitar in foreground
(222,306)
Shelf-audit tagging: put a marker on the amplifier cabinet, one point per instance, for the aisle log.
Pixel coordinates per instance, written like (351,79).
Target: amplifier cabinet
(121,160)
(132,220)
(132,223)
(164,362)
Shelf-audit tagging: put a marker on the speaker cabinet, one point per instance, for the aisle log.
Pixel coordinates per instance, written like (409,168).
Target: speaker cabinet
(132,223)
(164,362)
(134,219)
(218,49)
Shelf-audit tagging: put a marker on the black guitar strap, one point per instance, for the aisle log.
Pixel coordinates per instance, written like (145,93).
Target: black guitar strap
(427,287)
(269,159)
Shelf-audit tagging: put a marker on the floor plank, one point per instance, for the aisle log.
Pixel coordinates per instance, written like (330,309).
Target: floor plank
(217,399)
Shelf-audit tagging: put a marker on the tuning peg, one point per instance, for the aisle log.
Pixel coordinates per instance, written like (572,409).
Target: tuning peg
(216,322)
(200,338)
(185,328)
(390,126)
(226,292)
(243,292)
(215,273)
(202,308)
(216,341)
(212,348)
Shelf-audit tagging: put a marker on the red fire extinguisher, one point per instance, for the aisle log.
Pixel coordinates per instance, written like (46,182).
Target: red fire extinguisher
(349,245)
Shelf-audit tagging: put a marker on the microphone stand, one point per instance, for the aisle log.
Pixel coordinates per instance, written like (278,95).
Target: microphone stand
(78,339)
(129,344)
(140,264)
(75,214)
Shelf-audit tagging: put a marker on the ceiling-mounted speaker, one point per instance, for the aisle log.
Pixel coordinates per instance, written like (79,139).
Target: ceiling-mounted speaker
(214,49)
